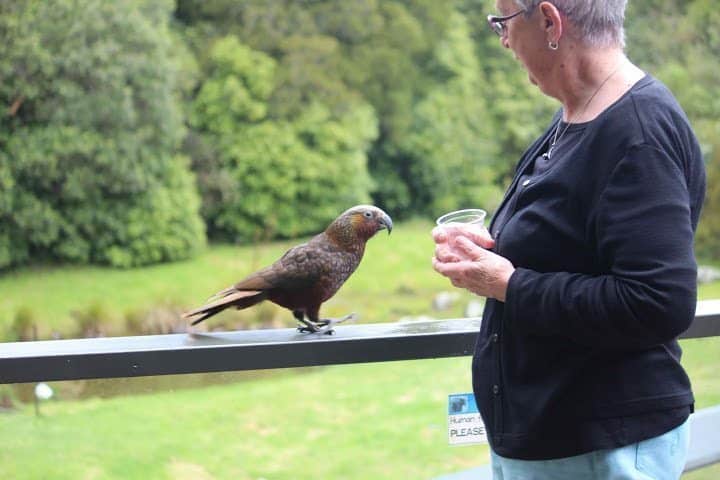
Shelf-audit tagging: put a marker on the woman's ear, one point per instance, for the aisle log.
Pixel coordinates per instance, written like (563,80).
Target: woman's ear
(552,21)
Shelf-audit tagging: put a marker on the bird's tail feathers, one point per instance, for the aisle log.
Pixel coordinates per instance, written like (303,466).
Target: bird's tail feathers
(236,298)
(223,293)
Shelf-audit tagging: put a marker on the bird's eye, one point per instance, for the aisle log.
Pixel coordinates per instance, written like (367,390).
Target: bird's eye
(368,214)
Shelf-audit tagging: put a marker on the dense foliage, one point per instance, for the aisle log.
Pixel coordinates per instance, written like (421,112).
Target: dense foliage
(89,158)
(263,176)
(687,59)
(132,128)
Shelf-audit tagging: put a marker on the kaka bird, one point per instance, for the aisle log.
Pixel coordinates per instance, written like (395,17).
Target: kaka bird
(308,274)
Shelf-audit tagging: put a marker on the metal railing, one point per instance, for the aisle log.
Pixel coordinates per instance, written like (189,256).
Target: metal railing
(257,349)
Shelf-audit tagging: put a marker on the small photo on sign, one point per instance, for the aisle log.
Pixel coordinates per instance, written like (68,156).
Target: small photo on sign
(458,404)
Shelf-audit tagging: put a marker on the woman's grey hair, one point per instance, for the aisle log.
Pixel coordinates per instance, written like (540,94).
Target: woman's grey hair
(600,22)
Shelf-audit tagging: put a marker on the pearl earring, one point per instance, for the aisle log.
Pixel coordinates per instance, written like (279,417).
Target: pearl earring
(553,45)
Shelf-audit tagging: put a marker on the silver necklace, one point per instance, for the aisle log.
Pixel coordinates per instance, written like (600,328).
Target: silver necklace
(557,138)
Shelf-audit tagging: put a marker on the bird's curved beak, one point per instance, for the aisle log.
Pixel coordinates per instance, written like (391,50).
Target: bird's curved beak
(385,222)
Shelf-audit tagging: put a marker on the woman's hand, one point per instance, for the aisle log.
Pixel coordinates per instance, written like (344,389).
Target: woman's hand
(462,255)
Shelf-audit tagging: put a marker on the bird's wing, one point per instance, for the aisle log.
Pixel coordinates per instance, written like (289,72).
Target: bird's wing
(301,266)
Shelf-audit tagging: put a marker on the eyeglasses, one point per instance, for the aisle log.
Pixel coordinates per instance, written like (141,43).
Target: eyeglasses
(497,24)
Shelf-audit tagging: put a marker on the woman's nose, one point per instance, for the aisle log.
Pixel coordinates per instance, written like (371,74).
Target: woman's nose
(504,41)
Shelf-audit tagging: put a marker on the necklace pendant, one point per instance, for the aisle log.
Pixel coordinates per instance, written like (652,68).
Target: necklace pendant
(549,152)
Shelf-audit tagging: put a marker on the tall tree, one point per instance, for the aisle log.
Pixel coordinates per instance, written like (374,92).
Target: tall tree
(450,145)
(341,55)
(89,143)
(267,176)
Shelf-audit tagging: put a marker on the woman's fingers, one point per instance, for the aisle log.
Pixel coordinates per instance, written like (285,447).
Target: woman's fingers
(468,248)
(444,253)
(480,271)
(477,233)
(449,269)
(480,236)
(439,234)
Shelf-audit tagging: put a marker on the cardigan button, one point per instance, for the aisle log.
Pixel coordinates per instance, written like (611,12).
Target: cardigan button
(526,182)
(496,389)
(495,338)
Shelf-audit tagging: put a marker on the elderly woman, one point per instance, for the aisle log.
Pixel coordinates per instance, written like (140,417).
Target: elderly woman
(588,264)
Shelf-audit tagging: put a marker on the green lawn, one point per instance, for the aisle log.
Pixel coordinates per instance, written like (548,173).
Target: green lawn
(367,421)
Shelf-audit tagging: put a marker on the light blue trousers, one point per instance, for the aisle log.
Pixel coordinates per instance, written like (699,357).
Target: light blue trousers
(659,458)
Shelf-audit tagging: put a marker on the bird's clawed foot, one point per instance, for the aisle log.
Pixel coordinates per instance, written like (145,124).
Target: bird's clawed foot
(308,328)
(325,325)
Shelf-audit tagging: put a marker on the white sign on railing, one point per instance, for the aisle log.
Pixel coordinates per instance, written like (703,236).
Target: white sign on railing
(465,426)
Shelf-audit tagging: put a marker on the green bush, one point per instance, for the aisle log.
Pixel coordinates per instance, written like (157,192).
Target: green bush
(94,320)
(88,154)
(263,177)
(23,326)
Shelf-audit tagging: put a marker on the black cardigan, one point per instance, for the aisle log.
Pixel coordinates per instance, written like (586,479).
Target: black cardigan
(583,354)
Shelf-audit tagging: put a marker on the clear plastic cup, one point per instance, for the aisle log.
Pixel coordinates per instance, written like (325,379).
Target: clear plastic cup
(456,223)
(472,216)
